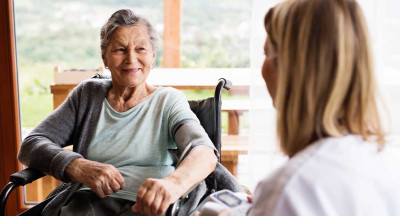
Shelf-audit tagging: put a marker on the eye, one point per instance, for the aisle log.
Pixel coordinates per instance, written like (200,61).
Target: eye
(119,50)
(141,49)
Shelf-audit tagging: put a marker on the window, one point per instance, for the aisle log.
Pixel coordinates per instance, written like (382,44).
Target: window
(215,34)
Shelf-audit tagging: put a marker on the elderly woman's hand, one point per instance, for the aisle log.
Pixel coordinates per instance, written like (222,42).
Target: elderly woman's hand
(155,196)
(103,179)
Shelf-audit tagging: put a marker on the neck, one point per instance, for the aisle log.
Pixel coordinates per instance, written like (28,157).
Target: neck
(122,98)
(129,93)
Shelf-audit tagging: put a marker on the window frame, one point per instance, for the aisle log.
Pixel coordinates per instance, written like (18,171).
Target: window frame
(9,109)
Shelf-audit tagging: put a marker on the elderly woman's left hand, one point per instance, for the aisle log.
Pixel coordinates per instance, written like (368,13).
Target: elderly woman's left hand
(155,196)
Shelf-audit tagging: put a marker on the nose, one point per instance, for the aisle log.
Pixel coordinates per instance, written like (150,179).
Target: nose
(131,57)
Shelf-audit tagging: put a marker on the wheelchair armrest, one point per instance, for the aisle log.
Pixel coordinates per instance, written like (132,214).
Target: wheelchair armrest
(20,178)
(25,176)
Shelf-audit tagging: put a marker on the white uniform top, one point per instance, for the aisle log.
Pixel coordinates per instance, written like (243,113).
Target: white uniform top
(334,176)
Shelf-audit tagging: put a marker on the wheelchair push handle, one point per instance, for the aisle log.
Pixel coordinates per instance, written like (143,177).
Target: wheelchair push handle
(20,178)
(25,176)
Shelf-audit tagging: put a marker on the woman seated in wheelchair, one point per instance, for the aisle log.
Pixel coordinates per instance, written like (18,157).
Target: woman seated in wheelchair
(121,130)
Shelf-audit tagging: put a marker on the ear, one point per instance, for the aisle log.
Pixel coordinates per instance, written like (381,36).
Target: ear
(154,58)
(104,60)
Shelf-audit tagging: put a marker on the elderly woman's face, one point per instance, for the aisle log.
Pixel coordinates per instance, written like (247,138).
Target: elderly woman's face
(129,55)
(269,71)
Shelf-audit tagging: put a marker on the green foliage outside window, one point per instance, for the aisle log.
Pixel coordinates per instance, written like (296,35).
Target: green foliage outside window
(215,33)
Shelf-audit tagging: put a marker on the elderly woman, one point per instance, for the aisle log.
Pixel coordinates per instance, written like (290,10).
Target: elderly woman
(318,70)
(121,130)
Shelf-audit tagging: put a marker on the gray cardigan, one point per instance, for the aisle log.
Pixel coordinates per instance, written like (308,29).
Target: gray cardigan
(74,122)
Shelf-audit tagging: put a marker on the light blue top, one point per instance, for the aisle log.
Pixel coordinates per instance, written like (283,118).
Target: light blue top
(136,141)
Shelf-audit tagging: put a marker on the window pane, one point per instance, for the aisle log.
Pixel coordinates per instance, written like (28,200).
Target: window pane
(216,33)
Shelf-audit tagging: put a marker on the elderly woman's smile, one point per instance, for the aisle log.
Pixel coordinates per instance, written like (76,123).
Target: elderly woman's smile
(129,55)
(131,70)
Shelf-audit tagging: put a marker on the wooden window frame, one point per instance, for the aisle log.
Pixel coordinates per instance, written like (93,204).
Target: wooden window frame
(172,34)
(9,109)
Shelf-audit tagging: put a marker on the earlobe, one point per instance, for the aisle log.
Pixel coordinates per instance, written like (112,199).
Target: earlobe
(154,59)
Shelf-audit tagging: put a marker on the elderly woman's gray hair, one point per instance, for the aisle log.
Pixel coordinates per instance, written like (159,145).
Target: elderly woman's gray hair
(126,17)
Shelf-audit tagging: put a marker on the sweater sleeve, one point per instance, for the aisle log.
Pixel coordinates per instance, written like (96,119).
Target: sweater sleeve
(43,149)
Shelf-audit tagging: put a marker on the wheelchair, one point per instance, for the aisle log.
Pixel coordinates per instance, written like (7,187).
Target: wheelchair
(208,111)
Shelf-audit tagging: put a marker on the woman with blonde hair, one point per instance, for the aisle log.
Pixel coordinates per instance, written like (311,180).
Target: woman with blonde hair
(319,72)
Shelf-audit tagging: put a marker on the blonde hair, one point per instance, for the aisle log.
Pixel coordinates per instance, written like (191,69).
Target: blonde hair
(326,83)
